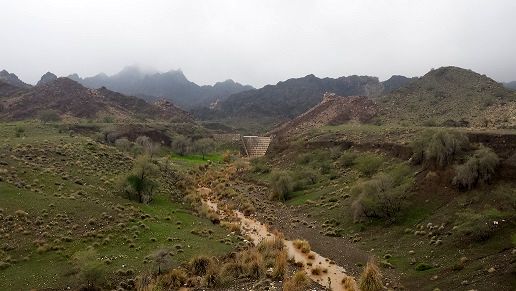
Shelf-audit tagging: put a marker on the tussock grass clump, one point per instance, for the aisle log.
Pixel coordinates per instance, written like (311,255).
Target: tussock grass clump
(299,281)
(173,279)
(317,271)
(199,265)
(253,263)
(349,284)
(280,265)
(371,278)
(231,226)
(302,245)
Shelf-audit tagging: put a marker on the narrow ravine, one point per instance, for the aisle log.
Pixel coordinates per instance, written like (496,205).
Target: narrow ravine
(331,275)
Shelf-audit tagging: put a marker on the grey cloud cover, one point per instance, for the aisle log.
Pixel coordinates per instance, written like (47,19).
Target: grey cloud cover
(258,42)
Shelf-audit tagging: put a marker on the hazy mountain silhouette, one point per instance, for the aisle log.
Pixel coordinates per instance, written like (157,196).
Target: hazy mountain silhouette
(172,85)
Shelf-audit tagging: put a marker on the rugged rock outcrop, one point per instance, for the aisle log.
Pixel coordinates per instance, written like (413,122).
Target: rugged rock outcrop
(333,110)
(12,80)
(46,78)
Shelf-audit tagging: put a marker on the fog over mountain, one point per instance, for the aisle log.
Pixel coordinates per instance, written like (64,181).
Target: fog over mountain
(173,85)
(258,42)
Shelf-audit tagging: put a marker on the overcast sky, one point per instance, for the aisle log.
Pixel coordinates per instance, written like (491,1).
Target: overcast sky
(258,42)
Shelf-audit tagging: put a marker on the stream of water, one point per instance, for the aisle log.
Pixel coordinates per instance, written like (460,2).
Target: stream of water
(331,275)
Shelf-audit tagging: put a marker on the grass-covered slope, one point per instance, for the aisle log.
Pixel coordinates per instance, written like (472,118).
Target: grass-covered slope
(60,214)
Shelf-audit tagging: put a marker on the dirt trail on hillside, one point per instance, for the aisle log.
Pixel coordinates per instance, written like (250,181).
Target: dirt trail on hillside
(329,274)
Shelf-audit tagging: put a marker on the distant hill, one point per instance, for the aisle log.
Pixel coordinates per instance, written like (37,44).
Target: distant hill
(510,85)
(332,110)
(395,82)
(12,79)
(273,104)
(450,96)
(172,85)
(72,100)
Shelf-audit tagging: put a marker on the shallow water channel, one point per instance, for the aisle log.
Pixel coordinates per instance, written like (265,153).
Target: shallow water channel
(331,275)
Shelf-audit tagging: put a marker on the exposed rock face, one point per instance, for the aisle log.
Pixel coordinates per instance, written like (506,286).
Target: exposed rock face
(71,99)
(46,78)
(12,80)
(333,110)
(7,89)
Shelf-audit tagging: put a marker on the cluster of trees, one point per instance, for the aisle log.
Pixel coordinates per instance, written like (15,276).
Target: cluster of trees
(183,146)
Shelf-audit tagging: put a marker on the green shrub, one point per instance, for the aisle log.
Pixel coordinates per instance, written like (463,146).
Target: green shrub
(382,196)
(478,226)
(49,116)
(438,148)
(423,267)
(478,168)
(347,159)
(259,166)
(368,164)
(281,184)
(139,185)
(304,177)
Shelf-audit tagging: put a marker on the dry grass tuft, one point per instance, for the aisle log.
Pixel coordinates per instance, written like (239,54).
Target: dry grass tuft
(302,245)
(297,282)
(349,284)
(371,278)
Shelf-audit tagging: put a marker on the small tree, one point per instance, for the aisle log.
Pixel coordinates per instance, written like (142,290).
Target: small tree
(204,146)
(139,184)
(162,260)
(90,270)
(181,145)
(49,116)
(147,146)
(438,148)
(479,168)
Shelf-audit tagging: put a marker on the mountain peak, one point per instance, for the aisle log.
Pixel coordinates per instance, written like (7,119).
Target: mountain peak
(46,78)
(12,79)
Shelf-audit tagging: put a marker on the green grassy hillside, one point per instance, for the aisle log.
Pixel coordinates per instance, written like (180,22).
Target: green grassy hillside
(58,202)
